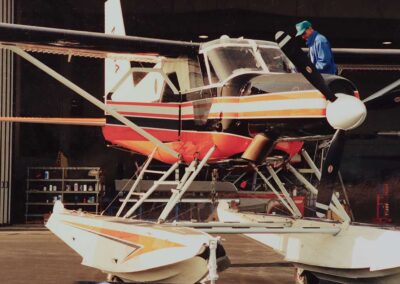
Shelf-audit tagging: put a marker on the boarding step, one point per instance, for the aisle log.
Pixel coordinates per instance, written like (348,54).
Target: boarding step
(167,182)
(137,194)
(154,172)
(306,171)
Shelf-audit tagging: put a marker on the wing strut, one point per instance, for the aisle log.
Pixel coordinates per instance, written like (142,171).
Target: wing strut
(91,98)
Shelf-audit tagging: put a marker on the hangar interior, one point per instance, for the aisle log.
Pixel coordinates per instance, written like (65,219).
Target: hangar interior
(357,24)
(32,152)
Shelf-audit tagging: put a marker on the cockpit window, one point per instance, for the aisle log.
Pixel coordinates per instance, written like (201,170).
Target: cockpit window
(235,56)
(276,60)
(229,60)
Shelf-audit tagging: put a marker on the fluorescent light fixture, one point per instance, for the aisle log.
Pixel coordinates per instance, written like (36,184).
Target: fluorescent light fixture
(203,36)
(387,42)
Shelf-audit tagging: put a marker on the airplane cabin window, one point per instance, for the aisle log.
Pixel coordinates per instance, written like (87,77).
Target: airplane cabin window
(227,60)
(195,75)
(276,61)
(168,94)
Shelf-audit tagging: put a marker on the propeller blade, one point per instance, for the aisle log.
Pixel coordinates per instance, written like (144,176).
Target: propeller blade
(329,172)
(303,64)
(355,115)
(385,98)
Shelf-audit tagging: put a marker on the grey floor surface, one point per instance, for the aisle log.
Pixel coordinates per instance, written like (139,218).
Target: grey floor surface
(37,256)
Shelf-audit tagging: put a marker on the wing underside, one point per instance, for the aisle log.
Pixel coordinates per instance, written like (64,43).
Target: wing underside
(90,44)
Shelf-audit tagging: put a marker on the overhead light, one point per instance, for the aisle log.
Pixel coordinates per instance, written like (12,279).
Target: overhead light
(387,42)
(203,36)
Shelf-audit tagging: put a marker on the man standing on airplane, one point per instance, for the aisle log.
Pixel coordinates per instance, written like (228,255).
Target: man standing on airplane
(320,49)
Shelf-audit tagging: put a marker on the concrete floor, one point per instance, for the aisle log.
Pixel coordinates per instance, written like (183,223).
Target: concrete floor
(37,256)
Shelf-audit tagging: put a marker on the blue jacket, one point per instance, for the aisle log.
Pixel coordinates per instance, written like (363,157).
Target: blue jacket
(321,54)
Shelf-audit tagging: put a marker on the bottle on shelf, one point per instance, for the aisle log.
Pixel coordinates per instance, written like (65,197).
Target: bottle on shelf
(46,185)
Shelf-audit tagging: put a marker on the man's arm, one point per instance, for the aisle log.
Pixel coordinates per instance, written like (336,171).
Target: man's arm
(324,57)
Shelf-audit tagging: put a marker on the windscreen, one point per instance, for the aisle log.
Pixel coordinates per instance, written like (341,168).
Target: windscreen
(276,61)
(229,60)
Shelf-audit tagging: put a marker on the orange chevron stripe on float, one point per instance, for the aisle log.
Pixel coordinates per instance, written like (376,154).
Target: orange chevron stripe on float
(142,244)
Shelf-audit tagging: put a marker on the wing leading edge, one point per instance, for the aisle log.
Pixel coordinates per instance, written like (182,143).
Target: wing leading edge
(89,44)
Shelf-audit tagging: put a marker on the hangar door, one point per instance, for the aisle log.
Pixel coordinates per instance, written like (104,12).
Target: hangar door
(6,104)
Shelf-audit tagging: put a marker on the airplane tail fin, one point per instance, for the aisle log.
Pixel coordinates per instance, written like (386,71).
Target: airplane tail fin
(116,69)
(147,87)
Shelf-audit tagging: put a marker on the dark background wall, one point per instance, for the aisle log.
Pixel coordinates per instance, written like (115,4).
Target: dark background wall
(359,23)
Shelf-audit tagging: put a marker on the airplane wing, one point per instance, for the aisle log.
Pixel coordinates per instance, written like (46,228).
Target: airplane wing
(363,51)
(19,38)
(89,44)
(366,51)
(366,58)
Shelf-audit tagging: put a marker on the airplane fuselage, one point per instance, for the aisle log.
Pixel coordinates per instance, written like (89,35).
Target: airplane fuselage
(229,123)
(232,91)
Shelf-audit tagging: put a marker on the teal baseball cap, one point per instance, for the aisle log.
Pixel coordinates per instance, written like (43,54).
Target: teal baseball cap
(301,27)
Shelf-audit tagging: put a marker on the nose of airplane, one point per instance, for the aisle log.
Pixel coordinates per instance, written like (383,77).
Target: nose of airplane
(346,112)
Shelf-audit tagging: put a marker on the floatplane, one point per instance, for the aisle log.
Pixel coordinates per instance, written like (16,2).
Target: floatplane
(228,100)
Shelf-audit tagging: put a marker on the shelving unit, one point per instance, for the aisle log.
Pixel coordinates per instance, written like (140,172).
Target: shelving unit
(76,187)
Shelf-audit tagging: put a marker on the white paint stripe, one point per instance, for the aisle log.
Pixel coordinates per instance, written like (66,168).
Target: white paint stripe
(240,108)
(229,107)
(146,109)
(269,105)
(187,110)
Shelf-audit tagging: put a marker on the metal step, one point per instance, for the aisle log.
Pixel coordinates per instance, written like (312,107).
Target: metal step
(155,172)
